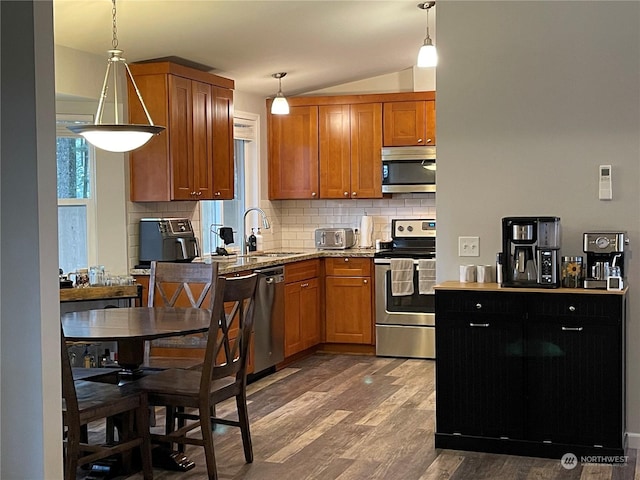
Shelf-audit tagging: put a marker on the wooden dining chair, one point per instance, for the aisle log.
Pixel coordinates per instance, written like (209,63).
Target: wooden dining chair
(179,285)
(84,402)
(223,375)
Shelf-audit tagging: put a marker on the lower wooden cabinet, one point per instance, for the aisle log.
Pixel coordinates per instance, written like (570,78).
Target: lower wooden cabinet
(348,300)
(302,327)
(538,374)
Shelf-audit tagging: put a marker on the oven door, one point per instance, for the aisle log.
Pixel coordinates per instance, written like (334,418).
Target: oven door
(405,326)
(413,309)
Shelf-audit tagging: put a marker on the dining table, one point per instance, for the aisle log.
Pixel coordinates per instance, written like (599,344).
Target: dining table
(131,327)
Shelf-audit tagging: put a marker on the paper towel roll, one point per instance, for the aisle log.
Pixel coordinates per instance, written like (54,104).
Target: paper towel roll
(366,232)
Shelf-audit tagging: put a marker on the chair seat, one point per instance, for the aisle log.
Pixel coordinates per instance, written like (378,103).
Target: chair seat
(80,373)
(172,362)
(93,396)
(180,383)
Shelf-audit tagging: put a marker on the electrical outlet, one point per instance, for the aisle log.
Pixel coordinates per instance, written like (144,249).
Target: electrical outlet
(468,246)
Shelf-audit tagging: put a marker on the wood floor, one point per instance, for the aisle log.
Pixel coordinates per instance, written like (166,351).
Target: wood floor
(361,417)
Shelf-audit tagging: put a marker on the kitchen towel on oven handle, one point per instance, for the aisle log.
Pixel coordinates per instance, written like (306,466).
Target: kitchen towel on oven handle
(401,276)
(426,276)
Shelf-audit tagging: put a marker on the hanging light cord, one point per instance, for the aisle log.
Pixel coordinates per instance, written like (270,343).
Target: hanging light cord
(114,41)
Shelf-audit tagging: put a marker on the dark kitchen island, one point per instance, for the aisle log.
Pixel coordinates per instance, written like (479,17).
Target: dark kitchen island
(528,371)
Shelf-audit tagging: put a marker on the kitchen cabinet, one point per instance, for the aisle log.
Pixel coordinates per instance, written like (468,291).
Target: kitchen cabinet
(193,158)
(410,123)
(350,142)
(535,373)
(348,306)
(330,146)
(293,154)
(302,329)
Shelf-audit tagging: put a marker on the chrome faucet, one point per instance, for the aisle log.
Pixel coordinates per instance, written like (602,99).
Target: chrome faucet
(265,224)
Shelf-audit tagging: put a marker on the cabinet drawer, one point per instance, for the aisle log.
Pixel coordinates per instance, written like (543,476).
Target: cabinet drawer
(295,272)
(348,267)
(452,303)
(561,307)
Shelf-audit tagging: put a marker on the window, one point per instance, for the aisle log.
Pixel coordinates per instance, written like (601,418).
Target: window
(229,213)
(76,210)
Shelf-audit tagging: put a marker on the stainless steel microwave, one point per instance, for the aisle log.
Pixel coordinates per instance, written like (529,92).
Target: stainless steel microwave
(408,169)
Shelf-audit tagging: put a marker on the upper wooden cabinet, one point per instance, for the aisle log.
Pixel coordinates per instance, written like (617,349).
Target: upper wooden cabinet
(350,148)
(193,158)
(330,147)
(293,154)
(410,123)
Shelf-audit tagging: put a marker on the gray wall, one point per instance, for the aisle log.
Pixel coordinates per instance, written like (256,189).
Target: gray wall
(30,389)
(532,97)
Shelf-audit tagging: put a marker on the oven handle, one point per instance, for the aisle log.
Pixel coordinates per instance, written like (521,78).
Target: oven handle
(387,261)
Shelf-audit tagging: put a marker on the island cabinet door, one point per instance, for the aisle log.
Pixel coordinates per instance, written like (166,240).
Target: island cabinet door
(479,366)
(574,352)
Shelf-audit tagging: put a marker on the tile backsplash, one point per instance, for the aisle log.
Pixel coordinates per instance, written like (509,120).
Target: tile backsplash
(293,222)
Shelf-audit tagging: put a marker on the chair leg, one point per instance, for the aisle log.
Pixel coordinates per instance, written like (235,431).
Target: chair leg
(207,438)
(142,425)
(243,417)
(71,457)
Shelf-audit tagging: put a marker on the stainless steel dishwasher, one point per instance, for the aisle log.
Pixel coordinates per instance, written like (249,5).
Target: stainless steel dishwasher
(269,319)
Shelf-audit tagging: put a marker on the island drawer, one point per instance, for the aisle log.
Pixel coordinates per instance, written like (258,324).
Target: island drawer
(452,303)
(348,267)
(298,271)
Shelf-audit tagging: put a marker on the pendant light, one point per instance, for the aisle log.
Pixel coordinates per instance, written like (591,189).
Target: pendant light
(280,106)
(117,137)
(427,56)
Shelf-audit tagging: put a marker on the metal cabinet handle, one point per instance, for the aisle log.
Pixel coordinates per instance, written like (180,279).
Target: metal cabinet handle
(366,281)
(199,193)
(217,194)
(483,325)
(571,329)
(346,194)
(353,194)
(419,140)
(303,285)
(428,140)
(478,306)
(313,194)
(346,259)
(572,308)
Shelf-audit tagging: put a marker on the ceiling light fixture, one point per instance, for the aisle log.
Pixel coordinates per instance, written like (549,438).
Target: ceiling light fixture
(280,106)
(116,137)
(427,56)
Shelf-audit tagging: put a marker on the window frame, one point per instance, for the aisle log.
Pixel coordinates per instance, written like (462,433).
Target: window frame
(89,203)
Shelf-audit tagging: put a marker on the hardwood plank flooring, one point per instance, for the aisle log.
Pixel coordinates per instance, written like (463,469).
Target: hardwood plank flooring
(349,417)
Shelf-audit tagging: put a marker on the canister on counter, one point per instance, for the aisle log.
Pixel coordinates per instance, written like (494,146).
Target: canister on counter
(572,272)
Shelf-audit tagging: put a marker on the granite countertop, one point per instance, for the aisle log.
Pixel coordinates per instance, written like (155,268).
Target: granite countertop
(256,260)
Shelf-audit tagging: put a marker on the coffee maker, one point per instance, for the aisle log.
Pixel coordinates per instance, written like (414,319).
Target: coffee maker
(605,257)
(530,252)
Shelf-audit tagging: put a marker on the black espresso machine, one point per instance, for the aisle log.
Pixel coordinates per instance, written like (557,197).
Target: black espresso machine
(605,258)
(530,252)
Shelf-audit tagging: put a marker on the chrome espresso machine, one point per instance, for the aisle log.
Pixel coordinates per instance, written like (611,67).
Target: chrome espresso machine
(605,259)
(531,252)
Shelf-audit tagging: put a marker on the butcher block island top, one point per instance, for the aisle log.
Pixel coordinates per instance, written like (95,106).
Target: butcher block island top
(99,293)
(495,287)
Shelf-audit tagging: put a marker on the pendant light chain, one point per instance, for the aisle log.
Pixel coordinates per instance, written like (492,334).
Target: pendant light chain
(114,41)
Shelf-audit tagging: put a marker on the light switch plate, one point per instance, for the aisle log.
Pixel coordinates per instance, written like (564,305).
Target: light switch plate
(468,246)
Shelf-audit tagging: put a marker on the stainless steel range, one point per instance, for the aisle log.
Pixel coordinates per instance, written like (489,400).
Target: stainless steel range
(405,301)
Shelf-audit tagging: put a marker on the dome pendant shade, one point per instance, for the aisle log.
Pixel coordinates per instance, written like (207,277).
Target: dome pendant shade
(117,137)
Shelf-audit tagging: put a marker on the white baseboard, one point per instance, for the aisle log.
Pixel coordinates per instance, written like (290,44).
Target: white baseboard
(633,440)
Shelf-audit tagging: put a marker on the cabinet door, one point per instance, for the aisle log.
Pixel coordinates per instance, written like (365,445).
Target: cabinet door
(335,151)
(293,340)
(409,123)
(310,312)
(223,174)
(180,135)
(293,154)
(348,310)
(366,149)
(202,140)
(479,345)
(575,366)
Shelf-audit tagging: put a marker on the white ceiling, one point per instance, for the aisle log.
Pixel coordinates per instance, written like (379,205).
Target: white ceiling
(318,43)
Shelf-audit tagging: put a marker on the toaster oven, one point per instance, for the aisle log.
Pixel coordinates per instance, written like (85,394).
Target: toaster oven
(334,238)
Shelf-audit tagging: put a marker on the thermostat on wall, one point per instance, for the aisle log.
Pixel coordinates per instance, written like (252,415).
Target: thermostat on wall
(605,191)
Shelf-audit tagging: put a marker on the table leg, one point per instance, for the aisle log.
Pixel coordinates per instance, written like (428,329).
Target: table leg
(130,355)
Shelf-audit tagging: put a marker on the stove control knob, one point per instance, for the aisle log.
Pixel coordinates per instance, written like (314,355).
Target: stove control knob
(410,228)
(401,228)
